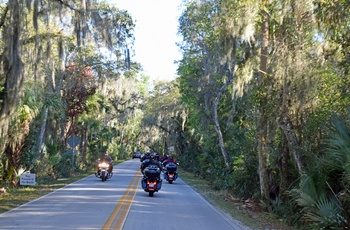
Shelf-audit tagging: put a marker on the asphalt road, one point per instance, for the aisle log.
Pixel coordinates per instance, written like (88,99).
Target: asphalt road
(119,203)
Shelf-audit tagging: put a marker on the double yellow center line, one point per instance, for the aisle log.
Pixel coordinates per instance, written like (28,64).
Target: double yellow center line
(118,216)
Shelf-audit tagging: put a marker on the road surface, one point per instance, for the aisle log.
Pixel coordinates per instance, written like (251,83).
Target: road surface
(119,203)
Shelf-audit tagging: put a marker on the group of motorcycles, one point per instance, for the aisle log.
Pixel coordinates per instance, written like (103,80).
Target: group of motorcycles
(152,182)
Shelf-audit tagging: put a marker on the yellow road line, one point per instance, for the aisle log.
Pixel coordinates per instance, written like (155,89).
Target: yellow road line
(127,206)
(123,205)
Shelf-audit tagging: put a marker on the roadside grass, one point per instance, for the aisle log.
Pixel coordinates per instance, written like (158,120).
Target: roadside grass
(235,209)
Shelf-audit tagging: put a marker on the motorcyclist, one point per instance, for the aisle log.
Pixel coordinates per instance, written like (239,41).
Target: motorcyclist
(164,158)
(145,156)
(106,157)
(170,159)
(157,156)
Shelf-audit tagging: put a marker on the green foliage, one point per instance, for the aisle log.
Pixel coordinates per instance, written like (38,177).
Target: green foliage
(338,145)
(320,209)
(243,180)
(288,212)
(324,195)
(122,154)
(64,167)
(189,159)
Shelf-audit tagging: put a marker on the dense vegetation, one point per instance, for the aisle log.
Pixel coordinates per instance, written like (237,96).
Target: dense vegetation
(260,106)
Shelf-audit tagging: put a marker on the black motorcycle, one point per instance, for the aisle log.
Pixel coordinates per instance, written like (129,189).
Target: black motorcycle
(103,170)
(170,173)
(151,181)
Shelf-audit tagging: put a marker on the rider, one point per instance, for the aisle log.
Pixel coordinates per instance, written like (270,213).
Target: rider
(170,159)
(157,156)
(164,158)
(145,157)
(171,169)
(108,159)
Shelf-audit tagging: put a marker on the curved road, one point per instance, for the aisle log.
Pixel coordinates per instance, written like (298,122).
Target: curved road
(119,203)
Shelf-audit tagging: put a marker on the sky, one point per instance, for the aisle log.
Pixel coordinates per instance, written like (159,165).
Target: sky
(155,35)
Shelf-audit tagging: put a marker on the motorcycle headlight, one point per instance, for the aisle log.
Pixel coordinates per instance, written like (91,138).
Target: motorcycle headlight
(103,165)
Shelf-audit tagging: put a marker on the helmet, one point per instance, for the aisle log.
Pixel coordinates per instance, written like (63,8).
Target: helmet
(152,156)
(170,156)
(147,154)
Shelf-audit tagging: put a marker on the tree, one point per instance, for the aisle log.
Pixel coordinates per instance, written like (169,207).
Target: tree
(263,115)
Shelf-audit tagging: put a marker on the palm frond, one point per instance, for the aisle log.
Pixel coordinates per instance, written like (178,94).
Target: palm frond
(326,213)
(338,150)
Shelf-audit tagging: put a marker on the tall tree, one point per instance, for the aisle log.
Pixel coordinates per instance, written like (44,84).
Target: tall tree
(263,115)
(12,65)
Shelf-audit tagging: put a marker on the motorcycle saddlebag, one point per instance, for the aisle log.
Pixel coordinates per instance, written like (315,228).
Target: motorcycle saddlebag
(143,184)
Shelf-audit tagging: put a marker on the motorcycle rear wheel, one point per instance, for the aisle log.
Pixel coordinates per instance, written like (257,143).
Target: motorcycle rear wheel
(150,193)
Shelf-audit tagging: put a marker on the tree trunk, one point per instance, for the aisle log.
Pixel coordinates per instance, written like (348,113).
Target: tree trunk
(217,124)
(283,166)
(294,145)
(83,144)
(42,130)
(230,70)
(221,139)
(121,138)
(45,115)
(262,126)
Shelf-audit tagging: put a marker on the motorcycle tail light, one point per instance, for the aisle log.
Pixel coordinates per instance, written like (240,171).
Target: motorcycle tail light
(151,182)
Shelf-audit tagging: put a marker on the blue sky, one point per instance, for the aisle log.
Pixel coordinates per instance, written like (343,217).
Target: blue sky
(155,35)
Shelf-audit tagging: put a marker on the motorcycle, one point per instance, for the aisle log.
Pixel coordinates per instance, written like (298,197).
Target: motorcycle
(170,172)
(103,170)
(151,181)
